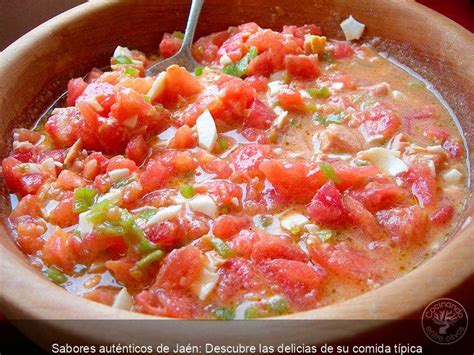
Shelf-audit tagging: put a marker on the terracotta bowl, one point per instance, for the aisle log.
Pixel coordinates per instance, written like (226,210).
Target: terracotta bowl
(35,69)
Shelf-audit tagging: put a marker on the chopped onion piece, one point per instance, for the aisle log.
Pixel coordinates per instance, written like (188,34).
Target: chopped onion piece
(295,220)
(157,87)
(118,174)
(385,159)
(164,214)
(122,52)
(123,300)
(203,204)
(452,176)
(206,282)
(114,196)
(352,28)
(206,130)
(84,226)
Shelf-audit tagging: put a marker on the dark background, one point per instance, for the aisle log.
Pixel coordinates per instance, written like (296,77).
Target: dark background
(17,17)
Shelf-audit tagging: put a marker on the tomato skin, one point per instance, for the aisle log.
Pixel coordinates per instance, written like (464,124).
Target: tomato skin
(443,215)
(259,115)
(342,50)
(297,280)
(291,100)
(302,67)
(137,150)
(75,87)
(61,251)
(226,226)
(343,260)
(407,226)
(180,269)
(169,45)
(327,207)
(377,196)
(295,181)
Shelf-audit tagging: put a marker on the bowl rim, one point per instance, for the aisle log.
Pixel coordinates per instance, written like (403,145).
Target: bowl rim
(391,299)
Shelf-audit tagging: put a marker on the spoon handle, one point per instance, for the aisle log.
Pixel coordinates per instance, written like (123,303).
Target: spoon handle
(196,6)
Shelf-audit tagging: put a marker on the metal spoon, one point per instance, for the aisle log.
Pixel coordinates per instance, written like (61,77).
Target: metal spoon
(184,56)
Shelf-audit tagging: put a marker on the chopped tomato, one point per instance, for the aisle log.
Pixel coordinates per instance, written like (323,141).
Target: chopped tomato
(255,135)
(137,150)
(296,181)
(362,219)
(377,196)
(75,88)
(168,303)
(68,180)
(327,207)
(95,246)
(154,176)
(438,135)
(353,177)
(61,250)
(213,165)
(180,269)
(63,214)
(246,161)
(223,192)
(194,225)
(124,270)
(61,127)
(344,260)
(119,162)
(259,115)
(29,234)
(22,178)
(102,294)
(205,48)
(29,205)
(259,83)
(262,65)
(179,82)
(169,45)
(423,184)
(302,67)
(226,226)
(443,215)
(297,280)
(165,234)
(342,50)
(95,164)
(407,226)
(277,248)
(290,100)
(453,148)
(184,138)
(379,121)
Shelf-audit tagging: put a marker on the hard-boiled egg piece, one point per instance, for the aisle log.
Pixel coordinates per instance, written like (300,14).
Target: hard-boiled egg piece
(206,130)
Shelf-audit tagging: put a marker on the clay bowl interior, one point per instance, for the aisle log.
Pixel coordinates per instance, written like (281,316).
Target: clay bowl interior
(35,70)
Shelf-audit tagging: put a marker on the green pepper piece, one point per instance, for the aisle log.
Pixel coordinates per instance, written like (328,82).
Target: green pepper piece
(223,313)
(221,247)
(329,172)
(55,275)
(83,199)
(150,258)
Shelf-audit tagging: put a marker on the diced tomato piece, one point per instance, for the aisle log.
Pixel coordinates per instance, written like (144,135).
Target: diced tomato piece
(68,180)
(213,165)
(29,205)
(168,303)
(63,215)
(379,121)
(344,260)
(353,177)
(75,88)
(26,135)
(154,176)
(327,207)
(297,280)
(177,161)
(342,50)
(125,271)
(165,234)
(300,31)
(453,148)
(29,234)
(377,196)
(205,48)
(180,269)
(194,225)
(179,82)
(21,179)
(61,250)
(290,100)
(407,226)
(223,192)
(255,135)
(258,82)
(262,65)
(137,150)
(236,97)
(438,135)
(443,215)
(246,161)
(100,91)
(238,277)
(244,242)
(226,226)
(302,67)
(362,219)
(61,127)
(102,294)
(423,113)
(275,247)
(119,162)
(169,45)
(423,184)
(295,181)
(183,139)
(259,115)
(95,164)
